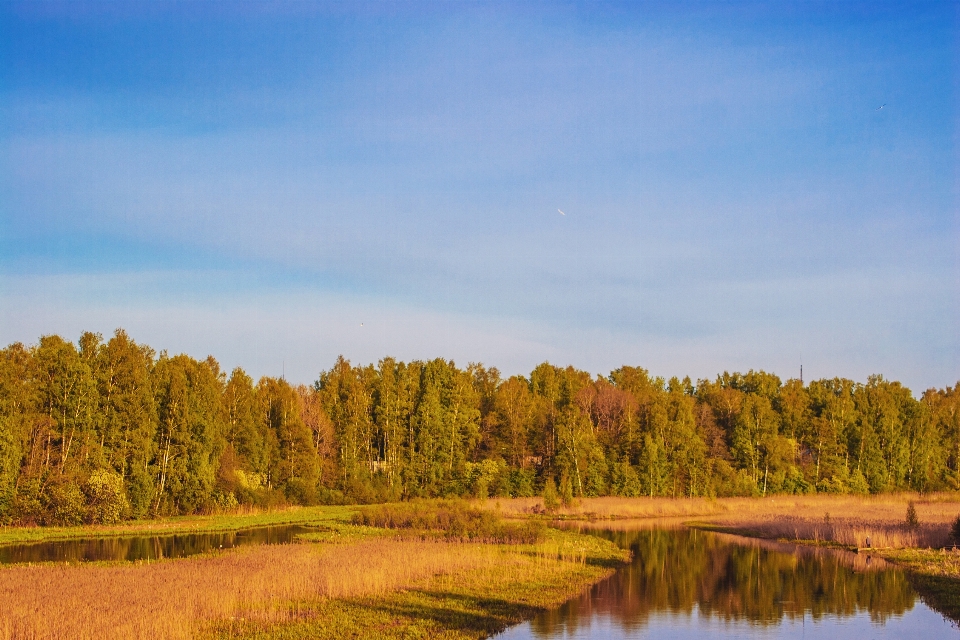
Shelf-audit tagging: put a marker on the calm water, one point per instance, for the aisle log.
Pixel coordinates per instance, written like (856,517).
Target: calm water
(147,547)
(690,584)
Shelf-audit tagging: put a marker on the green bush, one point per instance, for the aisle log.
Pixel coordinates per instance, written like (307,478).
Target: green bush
(451,519)
(67,505)
(224,501)
(551,501)
(106,498)
(955,531)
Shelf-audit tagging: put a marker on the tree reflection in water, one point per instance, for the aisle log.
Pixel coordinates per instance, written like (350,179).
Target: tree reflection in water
(680,570)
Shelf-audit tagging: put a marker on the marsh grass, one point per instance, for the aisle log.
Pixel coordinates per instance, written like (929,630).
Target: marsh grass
(881,522)
(930,508)
(172,599)
(266,586)
(848,532)
(515,582)
(454,520)
(606,508)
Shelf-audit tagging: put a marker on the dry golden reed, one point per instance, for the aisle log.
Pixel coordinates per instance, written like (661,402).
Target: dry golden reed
(852,520)
(174,599)
(611,507)
(855,521)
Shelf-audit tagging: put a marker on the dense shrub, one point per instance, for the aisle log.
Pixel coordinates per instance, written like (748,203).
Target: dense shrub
(67,505)
(106,498)
(451,519)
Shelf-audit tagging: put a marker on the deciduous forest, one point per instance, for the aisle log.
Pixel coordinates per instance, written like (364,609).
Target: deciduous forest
(102,431)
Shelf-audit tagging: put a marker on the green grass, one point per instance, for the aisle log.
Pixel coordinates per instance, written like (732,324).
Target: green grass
(467,605)
(179,524)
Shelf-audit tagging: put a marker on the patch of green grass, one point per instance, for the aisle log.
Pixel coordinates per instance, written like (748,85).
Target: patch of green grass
(333,532)
(179,524)
(468,605)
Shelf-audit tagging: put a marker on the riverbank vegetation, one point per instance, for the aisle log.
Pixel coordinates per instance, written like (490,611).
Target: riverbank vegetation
(346,579)
(171,525)
(453,520)
(103,431)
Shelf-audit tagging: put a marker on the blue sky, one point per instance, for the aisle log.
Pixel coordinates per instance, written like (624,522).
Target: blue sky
(255,181)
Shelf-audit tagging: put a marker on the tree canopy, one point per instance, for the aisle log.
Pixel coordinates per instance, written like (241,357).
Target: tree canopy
(99,431)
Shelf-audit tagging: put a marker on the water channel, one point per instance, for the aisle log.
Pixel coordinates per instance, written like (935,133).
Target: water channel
(147,547)
(684,583)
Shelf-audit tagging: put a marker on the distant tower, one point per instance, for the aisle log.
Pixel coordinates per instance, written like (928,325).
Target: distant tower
(801,371)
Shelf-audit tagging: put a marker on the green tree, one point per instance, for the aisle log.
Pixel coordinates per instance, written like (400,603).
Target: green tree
(294,467)
(753,437)
(127,421)
(67,395)
(190,434)
(514,409)
(17,416)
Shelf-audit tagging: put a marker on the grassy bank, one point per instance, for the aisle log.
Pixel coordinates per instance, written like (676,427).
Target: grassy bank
(344,581)
(179,524)
(504,585)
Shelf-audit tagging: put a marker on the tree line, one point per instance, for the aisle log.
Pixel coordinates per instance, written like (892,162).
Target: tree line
(100,431)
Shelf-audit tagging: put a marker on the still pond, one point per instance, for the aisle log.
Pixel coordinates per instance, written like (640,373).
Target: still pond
(685,583)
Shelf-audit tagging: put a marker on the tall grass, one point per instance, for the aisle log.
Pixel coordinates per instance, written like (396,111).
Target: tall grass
(851,532)
(174,599)
(265,584)
(896,521)
(450,519)
(882,521)
(607,508)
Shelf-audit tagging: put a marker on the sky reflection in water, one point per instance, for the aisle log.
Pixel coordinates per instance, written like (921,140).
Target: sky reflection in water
(687,584)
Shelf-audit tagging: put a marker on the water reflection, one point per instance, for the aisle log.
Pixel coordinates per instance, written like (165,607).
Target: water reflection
(684,583)
(147,547)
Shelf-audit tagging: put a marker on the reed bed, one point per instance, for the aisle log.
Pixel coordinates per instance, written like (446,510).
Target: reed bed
(844,519)
(849,532)
(852,521)
(454,520)
(607,508)
(175,599)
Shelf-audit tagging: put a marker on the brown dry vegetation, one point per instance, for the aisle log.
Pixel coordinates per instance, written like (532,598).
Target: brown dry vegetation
(174,599)
(851,521)
(609,508)
(179,599)
(846,520)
